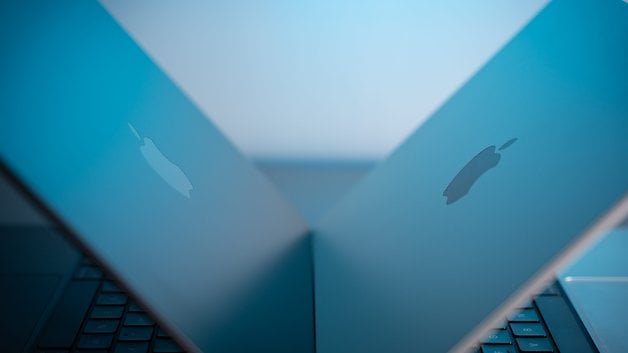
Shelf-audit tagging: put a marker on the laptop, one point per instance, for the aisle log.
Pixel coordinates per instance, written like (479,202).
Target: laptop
(481,206)
(135,174)
(461,226)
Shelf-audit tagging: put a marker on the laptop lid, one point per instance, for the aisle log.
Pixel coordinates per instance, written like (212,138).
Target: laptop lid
(145,183)
(518,171)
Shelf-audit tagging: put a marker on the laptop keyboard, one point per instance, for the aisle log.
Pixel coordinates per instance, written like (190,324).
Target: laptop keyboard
(522,331)
(95,316)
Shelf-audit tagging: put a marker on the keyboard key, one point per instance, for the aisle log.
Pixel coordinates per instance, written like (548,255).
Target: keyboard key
(65,321)
(528,330)
(134,308)
(111,299)
(87,261)
(101,326)
(95,341)
(131,347)
(162,333)
(502,325)
(499,337)
(110,287)
(527,315)
(107,312)
(528,305)
(534,345)
(136,319)
(136,333)
(166,346)
(88,272)
(498,349)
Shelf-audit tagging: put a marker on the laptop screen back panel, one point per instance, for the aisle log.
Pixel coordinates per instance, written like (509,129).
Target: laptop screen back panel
(502,179)
(147,184)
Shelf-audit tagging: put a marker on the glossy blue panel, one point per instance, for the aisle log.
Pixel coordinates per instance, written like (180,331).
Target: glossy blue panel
(397,269)
(126,160)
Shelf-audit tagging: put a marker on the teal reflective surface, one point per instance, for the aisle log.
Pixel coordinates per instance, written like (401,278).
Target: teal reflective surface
(399,270)
(170,206)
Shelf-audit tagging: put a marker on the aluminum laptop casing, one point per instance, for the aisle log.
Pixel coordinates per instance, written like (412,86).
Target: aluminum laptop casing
(398,269)
(145,183)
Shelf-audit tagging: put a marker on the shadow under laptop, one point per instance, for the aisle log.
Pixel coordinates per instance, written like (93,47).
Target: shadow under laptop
(275,313)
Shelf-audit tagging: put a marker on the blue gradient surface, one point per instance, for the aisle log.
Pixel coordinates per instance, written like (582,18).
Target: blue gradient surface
(399,270)
(224,261)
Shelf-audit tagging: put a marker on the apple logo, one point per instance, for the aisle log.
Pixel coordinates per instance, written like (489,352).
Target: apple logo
(169,172)
(467,176)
